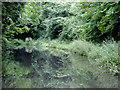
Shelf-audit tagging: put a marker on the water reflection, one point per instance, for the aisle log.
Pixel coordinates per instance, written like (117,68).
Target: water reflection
(43,69)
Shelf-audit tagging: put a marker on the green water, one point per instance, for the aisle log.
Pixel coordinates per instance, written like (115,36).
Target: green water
(23,68)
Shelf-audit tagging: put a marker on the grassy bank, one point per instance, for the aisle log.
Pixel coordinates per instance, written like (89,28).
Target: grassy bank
(104,55)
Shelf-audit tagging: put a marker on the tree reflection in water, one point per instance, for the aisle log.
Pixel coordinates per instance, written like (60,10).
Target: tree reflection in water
(41,69)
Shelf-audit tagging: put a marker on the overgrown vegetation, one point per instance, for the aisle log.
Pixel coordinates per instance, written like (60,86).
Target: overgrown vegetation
(104,55)
(66,21)
(76,30)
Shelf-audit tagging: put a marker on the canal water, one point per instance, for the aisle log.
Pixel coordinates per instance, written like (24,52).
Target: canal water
(46,69)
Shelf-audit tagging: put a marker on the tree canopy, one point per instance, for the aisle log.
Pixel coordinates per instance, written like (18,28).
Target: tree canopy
(66,21)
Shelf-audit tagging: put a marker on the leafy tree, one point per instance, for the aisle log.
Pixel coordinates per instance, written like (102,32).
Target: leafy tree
(98,20)
(10,23)
(66,21)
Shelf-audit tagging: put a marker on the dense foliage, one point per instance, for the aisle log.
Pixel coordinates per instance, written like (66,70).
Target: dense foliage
(67,21)
(10,23)
(101,20)
(48,44)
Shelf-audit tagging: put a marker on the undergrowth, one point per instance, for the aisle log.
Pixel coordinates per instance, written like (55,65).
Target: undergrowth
(104,55)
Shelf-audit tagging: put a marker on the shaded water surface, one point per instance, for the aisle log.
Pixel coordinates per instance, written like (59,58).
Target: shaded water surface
(42,69)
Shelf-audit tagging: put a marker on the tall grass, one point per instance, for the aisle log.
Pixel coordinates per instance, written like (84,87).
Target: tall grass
(104,55)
